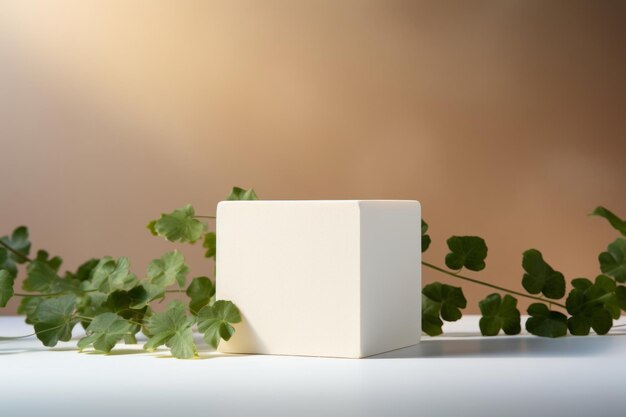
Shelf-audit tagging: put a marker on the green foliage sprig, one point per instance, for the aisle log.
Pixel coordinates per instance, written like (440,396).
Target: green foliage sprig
(114,305)
(588,305)
(111,302)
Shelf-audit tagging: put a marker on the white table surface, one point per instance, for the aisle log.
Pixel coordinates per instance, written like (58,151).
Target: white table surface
(461,374)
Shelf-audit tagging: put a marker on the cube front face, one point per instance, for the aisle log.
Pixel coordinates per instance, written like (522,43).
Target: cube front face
(320,278)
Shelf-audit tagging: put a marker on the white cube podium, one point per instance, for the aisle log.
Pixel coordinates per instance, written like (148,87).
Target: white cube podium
(321,278)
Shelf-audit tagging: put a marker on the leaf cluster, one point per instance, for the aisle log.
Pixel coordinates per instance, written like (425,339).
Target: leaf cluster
(111,302)
(590,305)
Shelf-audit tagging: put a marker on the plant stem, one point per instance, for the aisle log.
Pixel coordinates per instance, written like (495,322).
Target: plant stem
(15,252)
(205,217)
(486,284)
(32,334)
(52,294)
(16,337)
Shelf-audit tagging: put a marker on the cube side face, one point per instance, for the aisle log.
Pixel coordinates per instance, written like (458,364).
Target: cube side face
(293,269)
(390,275)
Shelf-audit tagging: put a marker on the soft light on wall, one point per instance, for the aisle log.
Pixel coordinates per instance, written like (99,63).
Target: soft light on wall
(503,118)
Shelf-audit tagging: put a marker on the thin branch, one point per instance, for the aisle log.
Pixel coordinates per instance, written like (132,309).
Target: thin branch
(15,252)
(486,284)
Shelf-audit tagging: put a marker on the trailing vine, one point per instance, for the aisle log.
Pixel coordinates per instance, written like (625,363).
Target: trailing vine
(113,305)
(589,305)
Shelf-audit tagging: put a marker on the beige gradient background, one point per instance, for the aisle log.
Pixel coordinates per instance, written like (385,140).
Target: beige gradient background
(504,118)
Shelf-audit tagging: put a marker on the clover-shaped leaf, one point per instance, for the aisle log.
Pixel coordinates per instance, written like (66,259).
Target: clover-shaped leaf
(540,277)
(596,318)
(173,329)
(6,287)
(168,269)
(499,313)
(200,292)
(54,319)
(104,331)
(617,223)
(545,322)
(111,275)
(613,261)
(425,237)
(210,244)
(592,305)
(440,301)
(238,193)
(466,251)
(214,322)
(180,225)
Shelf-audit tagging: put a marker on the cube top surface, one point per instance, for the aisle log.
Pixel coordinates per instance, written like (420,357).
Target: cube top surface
(228,202)
(321,277)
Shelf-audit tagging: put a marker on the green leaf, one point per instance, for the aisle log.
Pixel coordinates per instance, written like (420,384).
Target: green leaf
(466,251)
(41,277)
(592,306)
(425,237)
(18,242)
(581,283)
(540,277)
(154,292)
(598,318)
(121,301)
(613,262)
(168,269)
(180,225)
(89,304)
(28,306)
(200,292)
(151,226)
(214,322)
(104,331)
(172,328)
(499,313)
(83,273)
(54,321)
(111,275)
(130,305)
(242,194)
(451,299)
(431,320)
(440,301)
(210,244)
(620,297)
(54,263)
(6,287)
(6,263)
(545,322)
(617,223)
